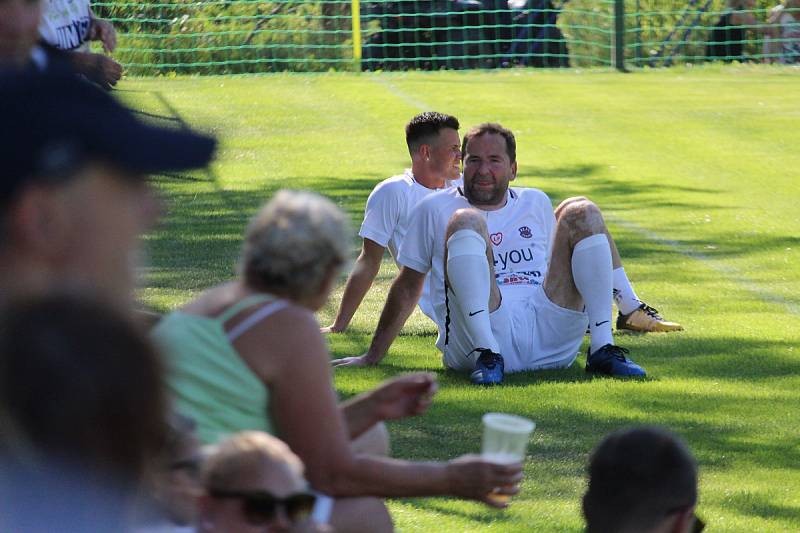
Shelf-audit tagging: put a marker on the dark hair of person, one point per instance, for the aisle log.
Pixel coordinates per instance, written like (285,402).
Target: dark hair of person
(81,386)
(424,127)
(494,128)
(638,477)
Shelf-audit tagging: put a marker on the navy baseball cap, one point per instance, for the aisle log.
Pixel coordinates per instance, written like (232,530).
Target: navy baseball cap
(54,123)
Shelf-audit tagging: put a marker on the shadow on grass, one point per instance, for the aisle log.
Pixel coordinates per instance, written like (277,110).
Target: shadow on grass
(751,504)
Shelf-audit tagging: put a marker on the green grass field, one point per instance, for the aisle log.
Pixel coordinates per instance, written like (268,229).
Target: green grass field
(697,172)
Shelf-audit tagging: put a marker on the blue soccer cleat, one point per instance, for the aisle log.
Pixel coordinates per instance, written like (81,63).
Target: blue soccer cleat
(611,360)
(488,369)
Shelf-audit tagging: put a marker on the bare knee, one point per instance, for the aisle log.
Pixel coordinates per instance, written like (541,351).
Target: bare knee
(467,219)
(580,219)
(568,201)
(374,441)
(357,515)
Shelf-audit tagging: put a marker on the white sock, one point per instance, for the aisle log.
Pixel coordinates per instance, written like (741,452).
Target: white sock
(624,295)
(468,277)
(591,270)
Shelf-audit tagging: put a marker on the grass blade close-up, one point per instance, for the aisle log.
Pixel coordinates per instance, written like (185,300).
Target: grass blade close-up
(696,170)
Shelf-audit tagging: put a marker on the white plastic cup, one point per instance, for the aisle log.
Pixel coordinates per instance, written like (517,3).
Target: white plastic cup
(505,437)
(505,440)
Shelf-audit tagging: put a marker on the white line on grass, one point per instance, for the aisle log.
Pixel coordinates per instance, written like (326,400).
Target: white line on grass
(410,100)
(727,270)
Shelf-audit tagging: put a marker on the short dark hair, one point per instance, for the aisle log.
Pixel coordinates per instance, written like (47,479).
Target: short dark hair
(424,126)
(637,477)
(80,385)
(497,129)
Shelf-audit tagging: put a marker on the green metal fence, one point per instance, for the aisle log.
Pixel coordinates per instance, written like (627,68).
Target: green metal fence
(242,36)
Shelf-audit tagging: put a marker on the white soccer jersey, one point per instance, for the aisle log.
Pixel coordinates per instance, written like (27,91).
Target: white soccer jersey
(387,216)
(65,24)
(521,233)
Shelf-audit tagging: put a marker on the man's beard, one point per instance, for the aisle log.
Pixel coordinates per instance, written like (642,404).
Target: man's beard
(481,196)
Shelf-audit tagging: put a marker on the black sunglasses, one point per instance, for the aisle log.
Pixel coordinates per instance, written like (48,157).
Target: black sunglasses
(260,507)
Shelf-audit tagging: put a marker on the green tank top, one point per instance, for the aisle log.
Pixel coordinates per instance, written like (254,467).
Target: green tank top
(207,378)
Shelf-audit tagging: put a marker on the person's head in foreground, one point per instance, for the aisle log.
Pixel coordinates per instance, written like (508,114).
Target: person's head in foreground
(641,480)
(490,164)
(19,31)
(253,482)
(82,404)
(295,247)
(433,143)
(75,195)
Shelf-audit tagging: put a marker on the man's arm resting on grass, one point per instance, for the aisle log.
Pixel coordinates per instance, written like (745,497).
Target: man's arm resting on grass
(358,283)
(403,296)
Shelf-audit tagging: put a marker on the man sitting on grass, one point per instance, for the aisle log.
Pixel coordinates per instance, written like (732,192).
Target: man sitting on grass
(513,284)
(641,480)
(435,148)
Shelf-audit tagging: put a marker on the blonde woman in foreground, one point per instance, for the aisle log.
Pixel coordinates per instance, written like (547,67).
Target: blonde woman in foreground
(249,354)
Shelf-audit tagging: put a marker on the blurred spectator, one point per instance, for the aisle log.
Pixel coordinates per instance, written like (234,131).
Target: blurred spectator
(729,34)
(69,25)
(19,32)
(74,196)
(253,482)
(81,416)
(249,355)
(785,37)
(641,480)
(177,483)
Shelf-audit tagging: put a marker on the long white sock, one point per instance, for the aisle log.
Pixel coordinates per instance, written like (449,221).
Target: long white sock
(624,295)
(468,277)
(591,270)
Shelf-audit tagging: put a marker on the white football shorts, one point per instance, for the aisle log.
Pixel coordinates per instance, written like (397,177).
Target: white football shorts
(533,334)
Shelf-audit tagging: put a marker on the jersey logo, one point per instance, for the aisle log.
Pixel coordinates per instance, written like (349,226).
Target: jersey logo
(525,232)
(496,238)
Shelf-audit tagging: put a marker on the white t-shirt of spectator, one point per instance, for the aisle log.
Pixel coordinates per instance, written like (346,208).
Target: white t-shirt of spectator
(65,24)
(521,233)
(387,216)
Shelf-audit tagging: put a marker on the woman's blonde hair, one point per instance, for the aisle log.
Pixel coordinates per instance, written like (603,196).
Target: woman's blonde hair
(292,244)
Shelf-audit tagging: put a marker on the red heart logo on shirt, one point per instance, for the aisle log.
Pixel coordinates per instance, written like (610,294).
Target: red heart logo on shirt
(496,238)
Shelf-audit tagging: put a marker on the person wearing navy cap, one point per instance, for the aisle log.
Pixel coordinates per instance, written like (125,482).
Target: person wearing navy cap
(74,194)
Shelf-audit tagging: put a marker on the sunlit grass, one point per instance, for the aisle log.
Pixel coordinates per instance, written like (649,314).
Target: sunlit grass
(697,173)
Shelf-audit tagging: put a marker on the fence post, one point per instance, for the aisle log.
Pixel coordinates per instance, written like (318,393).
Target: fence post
(619,35)
(355,15)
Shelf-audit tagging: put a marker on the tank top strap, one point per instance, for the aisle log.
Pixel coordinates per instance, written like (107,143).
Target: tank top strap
(244,303)
(257,316)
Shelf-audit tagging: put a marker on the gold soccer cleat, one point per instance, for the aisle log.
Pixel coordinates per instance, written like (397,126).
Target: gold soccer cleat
(646,319)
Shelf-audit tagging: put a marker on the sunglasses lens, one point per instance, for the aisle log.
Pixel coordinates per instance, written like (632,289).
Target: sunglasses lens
(259,511)
(262,510)
(299,507)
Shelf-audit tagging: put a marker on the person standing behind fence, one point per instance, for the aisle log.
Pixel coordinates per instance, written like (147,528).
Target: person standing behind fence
(69,25)
(729,35)
(785,32)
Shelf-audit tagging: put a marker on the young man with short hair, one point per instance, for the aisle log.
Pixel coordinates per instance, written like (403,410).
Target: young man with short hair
(435,149)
